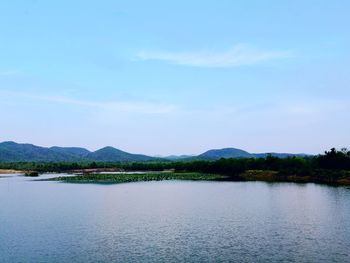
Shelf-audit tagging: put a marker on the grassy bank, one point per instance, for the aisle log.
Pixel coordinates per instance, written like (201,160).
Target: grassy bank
(341,178)
(320,176)
(137,177)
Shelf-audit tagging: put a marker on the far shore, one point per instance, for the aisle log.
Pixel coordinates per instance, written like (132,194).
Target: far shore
(250,175)
(74,171)
(96,170)
(10,171)
(119,175)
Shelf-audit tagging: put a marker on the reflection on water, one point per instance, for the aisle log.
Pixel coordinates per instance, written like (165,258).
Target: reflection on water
(173,221)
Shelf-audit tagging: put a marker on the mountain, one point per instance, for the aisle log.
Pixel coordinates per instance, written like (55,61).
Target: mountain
(224,153)
(16,152)
(110,154)
(216,154)
(75,151)
(238,153)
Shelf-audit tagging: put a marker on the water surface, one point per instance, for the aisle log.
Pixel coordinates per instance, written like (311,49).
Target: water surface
(173,221)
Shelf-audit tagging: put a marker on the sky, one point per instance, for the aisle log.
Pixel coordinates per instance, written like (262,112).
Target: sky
(176,77)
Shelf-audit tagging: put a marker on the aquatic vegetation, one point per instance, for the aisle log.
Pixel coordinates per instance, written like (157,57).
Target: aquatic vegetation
(138,177)
(31,174)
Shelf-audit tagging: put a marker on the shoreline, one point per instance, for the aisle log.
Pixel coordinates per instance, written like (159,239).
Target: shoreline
(276,177)
(10,171)
(251,175)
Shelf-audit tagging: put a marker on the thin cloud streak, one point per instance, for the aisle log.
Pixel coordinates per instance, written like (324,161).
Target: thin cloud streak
(238,55)
(117,106)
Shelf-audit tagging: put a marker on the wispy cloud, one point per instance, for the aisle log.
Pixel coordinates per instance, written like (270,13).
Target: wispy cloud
(114,106)
(238,55)
(317,107)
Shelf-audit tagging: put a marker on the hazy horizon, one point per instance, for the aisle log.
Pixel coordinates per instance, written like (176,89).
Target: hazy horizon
(162,78)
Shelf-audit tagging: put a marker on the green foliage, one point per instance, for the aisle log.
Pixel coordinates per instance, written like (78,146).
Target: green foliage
(328,168)
(334,159)
(32,174)
(137,177)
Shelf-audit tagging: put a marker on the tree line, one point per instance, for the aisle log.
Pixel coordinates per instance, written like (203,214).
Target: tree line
(333,159)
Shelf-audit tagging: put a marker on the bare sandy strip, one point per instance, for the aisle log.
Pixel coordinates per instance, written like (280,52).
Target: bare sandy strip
(9,171)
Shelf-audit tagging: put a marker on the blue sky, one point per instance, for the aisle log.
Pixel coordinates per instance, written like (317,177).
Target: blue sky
(179,77)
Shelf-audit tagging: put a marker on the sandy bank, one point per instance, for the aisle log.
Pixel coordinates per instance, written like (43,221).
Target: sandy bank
(9,171)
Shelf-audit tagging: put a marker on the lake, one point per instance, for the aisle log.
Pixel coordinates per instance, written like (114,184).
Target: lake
(172,221)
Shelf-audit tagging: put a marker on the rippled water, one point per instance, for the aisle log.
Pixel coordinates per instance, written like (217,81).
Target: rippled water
(173,221)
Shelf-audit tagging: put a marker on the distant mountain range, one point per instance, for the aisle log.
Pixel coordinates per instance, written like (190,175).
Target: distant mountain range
(16,152)
(238,153)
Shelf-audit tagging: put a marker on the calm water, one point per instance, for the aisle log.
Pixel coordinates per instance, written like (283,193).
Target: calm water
(173,222)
